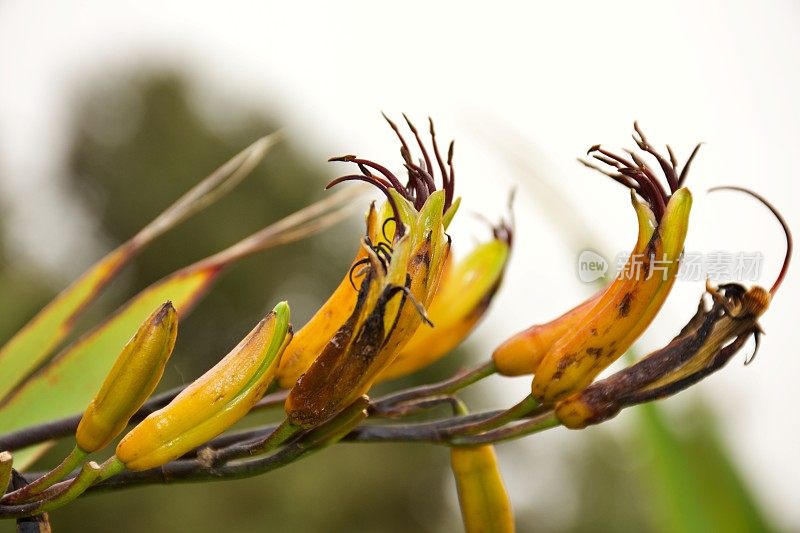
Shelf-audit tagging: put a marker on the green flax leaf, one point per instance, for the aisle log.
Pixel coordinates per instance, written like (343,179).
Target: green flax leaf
(35,342)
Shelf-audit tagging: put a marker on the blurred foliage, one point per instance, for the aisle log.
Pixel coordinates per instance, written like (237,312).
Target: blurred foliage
(23,291)
(658,477)
(694,484)
(167,149)
(163,146)
(138,143)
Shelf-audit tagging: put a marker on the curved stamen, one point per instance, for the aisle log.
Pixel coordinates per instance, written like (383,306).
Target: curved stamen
(781,220)
(364,170)
(647,190)
(607,160)
(380,168)
(417,305)
(651,189)
(406,290)
(428,166)
(416,183)
(424,176)
(621,160)
(421,176)
(439,159)
(449,189)
(635,173)
(685,171)
(384,258)
(385,247)
(757,332)
(380,251)
(397,132)
(357,264)
(383,227)
(616,176)
(648,172)
(414,178)
(429,177)
(673,159)
(372,179)
(666,166)
(412,189)
(423,184)
(399,229)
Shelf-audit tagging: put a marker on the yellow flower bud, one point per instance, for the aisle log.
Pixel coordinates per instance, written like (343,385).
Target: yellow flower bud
(213,402)
(482,496)
(132,379)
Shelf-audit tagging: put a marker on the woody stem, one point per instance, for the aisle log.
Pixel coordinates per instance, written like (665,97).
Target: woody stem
(448,386)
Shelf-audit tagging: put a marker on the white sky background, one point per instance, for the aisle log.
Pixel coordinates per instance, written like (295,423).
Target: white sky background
(547,80)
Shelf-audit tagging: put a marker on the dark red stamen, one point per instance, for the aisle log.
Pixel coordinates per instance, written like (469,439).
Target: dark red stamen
(666,167)
(439,159)
(397,132)
(449,189)
(685,171)
(428,166)
(380,168)
(421,180)
(638,175)
(400,228)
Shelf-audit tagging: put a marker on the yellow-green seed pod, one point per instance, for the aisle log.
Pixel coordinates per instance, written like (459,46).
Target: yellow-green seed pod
(134,376)
(213,402)
(484,502)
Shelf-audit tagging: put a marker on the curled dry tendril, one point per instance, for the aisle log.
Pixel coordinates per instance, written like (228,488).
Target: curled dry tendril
(782,221)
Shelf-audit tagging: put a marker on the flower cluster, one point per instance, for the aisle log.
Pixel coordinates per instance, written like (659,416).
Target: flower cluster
(403,303)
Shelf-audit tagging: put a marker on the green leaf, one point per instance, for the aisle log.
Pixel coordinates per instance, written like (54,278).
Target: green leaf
(698,487)
(679,504)
(67,384)
(36,341)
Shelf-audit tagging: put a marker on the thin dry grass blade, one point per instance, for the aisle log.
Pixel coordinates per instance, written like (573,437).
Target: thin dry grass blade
(31,345)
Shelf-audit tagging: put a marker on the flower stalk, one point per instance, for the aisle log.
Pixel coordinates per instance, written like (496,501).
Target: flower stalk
(402,305)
